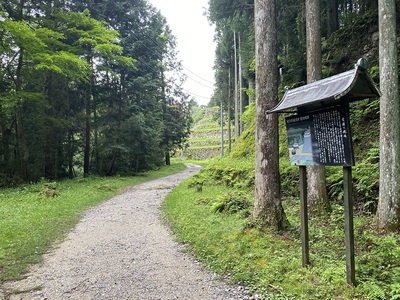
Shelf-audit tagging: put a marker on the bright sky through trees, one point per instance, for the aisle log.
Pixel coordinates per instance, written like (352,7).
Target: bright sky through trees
(194,43)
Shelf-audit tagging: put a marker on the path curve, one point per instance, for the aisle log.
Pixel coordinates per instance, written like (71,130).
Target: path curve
(121,250)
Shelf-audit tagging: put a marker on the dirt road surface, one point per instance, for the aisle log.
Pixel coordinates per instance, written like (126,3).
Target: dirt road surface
(121,249)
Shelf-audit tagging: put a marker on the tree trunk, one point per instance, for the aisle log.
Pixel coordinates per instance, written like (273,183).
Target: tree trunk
(167,159)
(240,90)
(88,130)
(22,143)
(237,133)
(71,171)
(111,166)
(229,113)
(50,167)
(5,143)
(374,5)
(317,194)
(332,16)
(86,158)
(388,213)
(96,137)
(267,202)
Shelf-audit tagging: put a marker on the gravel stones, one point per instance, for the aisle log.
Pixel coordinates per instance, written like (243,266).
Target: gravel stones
(122,250)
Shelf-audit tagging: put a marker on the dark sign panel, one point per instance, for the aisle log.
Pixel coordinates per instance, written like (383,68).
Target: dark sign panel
(320,138)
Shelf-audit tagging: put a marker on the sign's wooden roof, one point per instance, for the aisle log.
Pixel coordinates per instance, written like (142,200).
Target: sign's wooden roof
(352,85)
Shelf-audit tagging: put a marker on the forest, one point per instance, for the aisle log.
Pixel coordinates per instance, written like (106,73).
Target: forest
(87,87)
(95,88)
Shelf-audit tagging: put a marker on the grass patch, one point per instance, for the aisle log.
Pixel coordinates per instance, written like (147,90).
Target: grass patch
(33,217)
(214,223)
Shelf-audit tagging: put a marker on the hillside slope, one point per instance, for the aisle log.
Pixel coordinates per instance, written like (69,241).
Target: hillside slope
(205,139)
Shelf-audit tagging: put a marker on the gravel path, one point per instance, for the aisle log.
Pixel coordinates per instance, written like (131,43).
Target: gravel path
(121,250)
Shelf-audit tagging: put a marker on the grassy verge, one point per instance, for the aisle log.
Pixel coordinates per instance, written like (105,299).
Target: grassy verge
(215,223)
(33,217)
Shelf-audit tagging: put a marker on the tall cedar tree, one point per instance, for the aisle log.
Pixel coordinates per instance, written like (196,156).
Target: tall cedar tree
(388,213)
(317,194)
(268,208)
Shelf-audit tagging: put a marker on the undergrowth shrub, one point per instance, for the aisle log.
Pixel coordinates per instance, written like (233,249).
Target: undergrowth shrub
(335,183)
(373,291)
(366,179)
(232,203)
(289,178)
(365,182)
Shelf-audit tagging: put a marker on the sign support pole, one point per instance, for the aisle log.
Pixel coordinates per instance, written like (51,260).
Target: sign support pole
(349,226)
(304,216)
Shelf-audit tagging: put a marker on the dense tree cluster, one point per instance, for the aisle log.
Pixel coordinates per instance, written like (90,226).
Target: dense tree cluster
(237,16)
(86,87)
(347,30)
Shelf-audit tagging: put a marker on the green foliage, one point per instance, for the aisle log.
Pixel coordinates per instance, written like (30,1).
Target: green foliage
(232,203)
(366,176)
(21,34)
(395,291)
(373,291)
(289,178)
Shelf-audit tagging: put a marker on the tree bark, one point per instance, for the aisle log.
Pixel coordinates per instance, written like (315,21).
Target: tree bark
(5,143)
(50,166)
(388,212)
(240,89)
(332,16)
(70,154)
(86,158)
(88,127)
(22,143)
(229,113)
(317,194)
(167,159)
(237,130)
(267,203)
(111,166)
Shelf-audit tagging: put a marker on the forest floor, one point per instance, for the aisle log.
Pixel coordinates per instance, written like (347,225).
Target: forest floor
(122,249)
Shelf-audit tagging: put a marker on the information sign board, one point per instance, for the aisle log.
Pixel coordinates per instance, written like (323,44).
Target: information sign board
(320,138)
